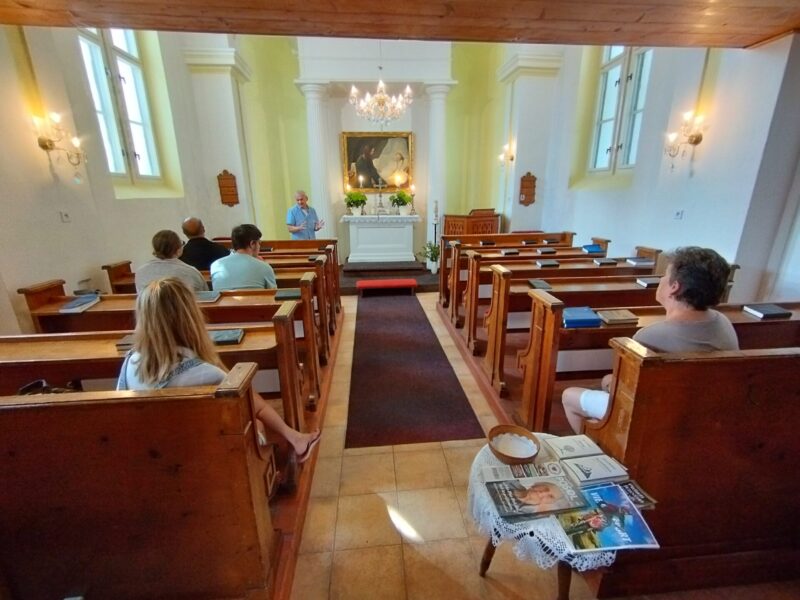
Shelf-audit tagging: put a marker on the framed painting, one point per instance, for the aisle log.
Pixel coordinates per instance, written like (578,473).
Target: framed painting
(374,161)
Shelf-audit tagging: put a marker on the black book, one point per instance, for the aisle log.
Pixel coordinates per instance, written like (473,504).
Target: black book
(530,242)
(509,251)
(288,294)
(648,282)
(547,263)
(767,311)
(487,243)
(312,258)
(539,284)
(226,337)
(546,251)
(204,297)
(604,261)
(265,249)
(551,241)
(125,343)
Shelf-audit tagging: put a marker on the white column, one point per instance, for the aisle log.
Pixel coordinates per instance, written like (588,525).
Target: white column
(437,188)
(318,169)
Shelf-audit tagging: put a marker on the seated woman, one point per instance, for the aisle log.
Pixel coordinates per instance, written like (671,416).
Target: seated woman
(695,279)
(172,348)
(167,249)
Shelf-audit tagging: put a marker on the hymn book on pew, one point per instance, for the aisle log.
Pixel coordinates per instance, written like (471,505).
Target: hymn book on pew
(619,316)
(767,311)
(487,243)
(640,261)
(509,251)
(604,261)
(648,282)
(226,337)
(545,251)
(125,343)
(547,263)
(610,521)
(80,303)
(539,284)
(580,316)
(288,294)
(592,248)
(529,242)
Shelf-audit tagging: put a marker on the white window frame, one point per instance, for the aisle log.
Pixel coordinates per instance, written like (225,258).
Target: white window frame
(116,125)
(630,90)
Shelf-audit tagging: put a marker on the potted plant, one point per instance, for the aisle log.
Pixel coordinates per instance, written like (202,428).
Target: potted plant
(430,252)
(402,200)
(355,201)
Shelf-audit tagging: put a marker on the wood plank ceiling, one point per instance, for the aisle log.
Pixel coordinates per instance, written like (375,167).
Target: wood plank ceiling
(713,23)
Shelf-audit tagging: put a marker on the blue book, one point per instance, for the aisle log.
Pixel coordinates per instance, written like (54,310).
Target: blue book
(580,316)
(592,248)
(80,303)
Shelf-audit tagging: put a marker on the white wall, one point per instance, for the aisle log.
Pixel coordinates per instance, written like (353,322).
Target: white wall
(103,229)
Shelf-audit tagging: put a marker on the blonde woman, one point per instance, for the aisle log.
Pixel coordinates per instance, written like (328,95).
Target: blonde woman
(172,349)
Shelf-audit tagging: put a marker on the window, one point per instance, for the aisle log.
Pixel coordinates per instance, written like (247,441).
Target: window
(117,84)
(624,74)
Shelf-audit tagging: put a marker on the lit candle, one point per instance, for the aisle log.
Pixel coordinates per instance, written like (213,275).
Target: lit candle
(361,181)
(347,187)
(37,124)
(55,117)
(413,189)
(397,181)
(687,116)
(672,137)
(76,142)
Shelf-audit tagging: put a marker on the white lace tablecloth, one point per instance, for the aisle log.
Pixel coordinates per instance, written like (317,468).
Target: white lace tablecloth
(541,541)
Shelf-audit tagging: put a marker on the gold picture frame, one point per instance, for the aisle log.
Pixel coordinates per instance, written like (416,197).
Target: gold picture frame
(378,157)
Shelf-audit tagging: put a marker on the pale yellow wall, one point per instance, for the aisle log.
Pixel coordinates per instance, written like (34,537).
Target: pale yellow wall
(474,127)
(275,129)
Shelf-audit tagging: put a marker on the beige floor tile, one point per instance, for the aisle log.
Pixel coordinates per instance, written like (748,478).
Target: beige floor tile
(459,461)
(509,578)
(469,524)
(367,474)
(442,570)
(417,447)
(339,391)
(366,521)
(420,470)
(430,515)
(320,525)
(326,477)
(368,450)
(473,443)
(332,442)
(336,415)
(368,574)
(312,576)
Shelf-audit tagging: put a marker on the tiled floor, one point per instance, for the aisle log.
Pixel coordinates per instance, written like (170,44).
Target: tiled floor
(390,522)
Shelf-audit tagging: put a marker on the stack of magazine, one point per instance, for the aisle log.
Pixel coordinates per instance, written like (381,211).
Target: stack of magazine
(574,482)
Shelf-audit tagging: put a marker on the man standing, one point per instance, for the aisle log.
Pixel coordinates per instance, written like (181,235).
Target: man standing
(301,220)
(242,269)
(199,251)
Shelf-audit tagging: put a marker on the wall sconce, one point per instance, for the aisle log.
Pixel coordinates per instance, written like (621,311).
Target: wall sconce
(50,136)
(506,156)
(690,134)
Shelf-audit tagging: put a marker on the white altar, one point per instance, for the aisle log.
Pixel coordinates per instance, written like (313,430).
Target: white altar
(381,238)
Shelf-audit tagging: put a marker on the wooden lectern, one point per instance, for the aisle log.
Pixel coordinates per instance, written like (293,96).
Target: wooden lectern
(478,221)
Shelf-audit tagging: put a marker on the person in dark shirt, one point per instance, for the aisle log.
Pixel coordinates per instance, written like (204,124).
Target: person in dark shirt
(199,251)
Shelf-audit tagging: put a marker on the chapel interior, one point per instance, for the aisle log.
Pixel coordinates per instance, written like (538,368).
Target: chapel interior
(261,92)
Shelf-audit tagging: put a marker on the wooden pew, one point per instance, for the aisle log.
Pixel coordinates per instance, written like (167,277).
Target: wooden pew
(713,437)
(64,357)
(511,295)
(547,337)
(448,246)
(121,279)
(329,246)
(479,273)
(116,312)
(136,494)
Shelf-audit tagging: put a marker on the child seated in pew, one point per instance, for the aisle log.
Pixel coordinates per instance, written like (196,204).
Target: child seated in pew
(172,349)
(695,279)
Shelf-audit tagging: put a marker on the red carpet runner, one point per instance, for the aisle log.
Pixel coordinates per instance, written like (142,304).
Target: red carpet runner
(403,389)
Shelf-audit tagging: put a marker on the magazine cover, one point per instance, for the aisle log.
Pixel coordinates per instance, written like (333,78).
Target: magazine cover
(534,496)
(503,472)
(610,522)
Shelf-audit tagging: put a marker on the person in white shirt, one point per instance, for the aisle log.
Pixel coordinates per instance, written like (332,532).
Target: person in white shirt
(172,348)
(167,249)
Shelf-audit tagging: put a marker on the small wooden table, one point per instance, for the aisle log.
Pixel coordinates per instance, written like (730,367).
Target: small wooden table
(538,540)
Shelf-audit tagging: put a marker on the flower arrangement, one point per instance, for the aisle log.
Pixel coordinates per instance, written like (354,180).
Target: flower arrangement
(400,198)
(430,251)
(355,199)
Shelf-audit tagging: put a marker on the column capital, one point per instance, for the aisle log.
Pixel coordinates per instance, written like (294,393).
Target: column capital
(439,90)
(313,89)
(218,60)
(530,65)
